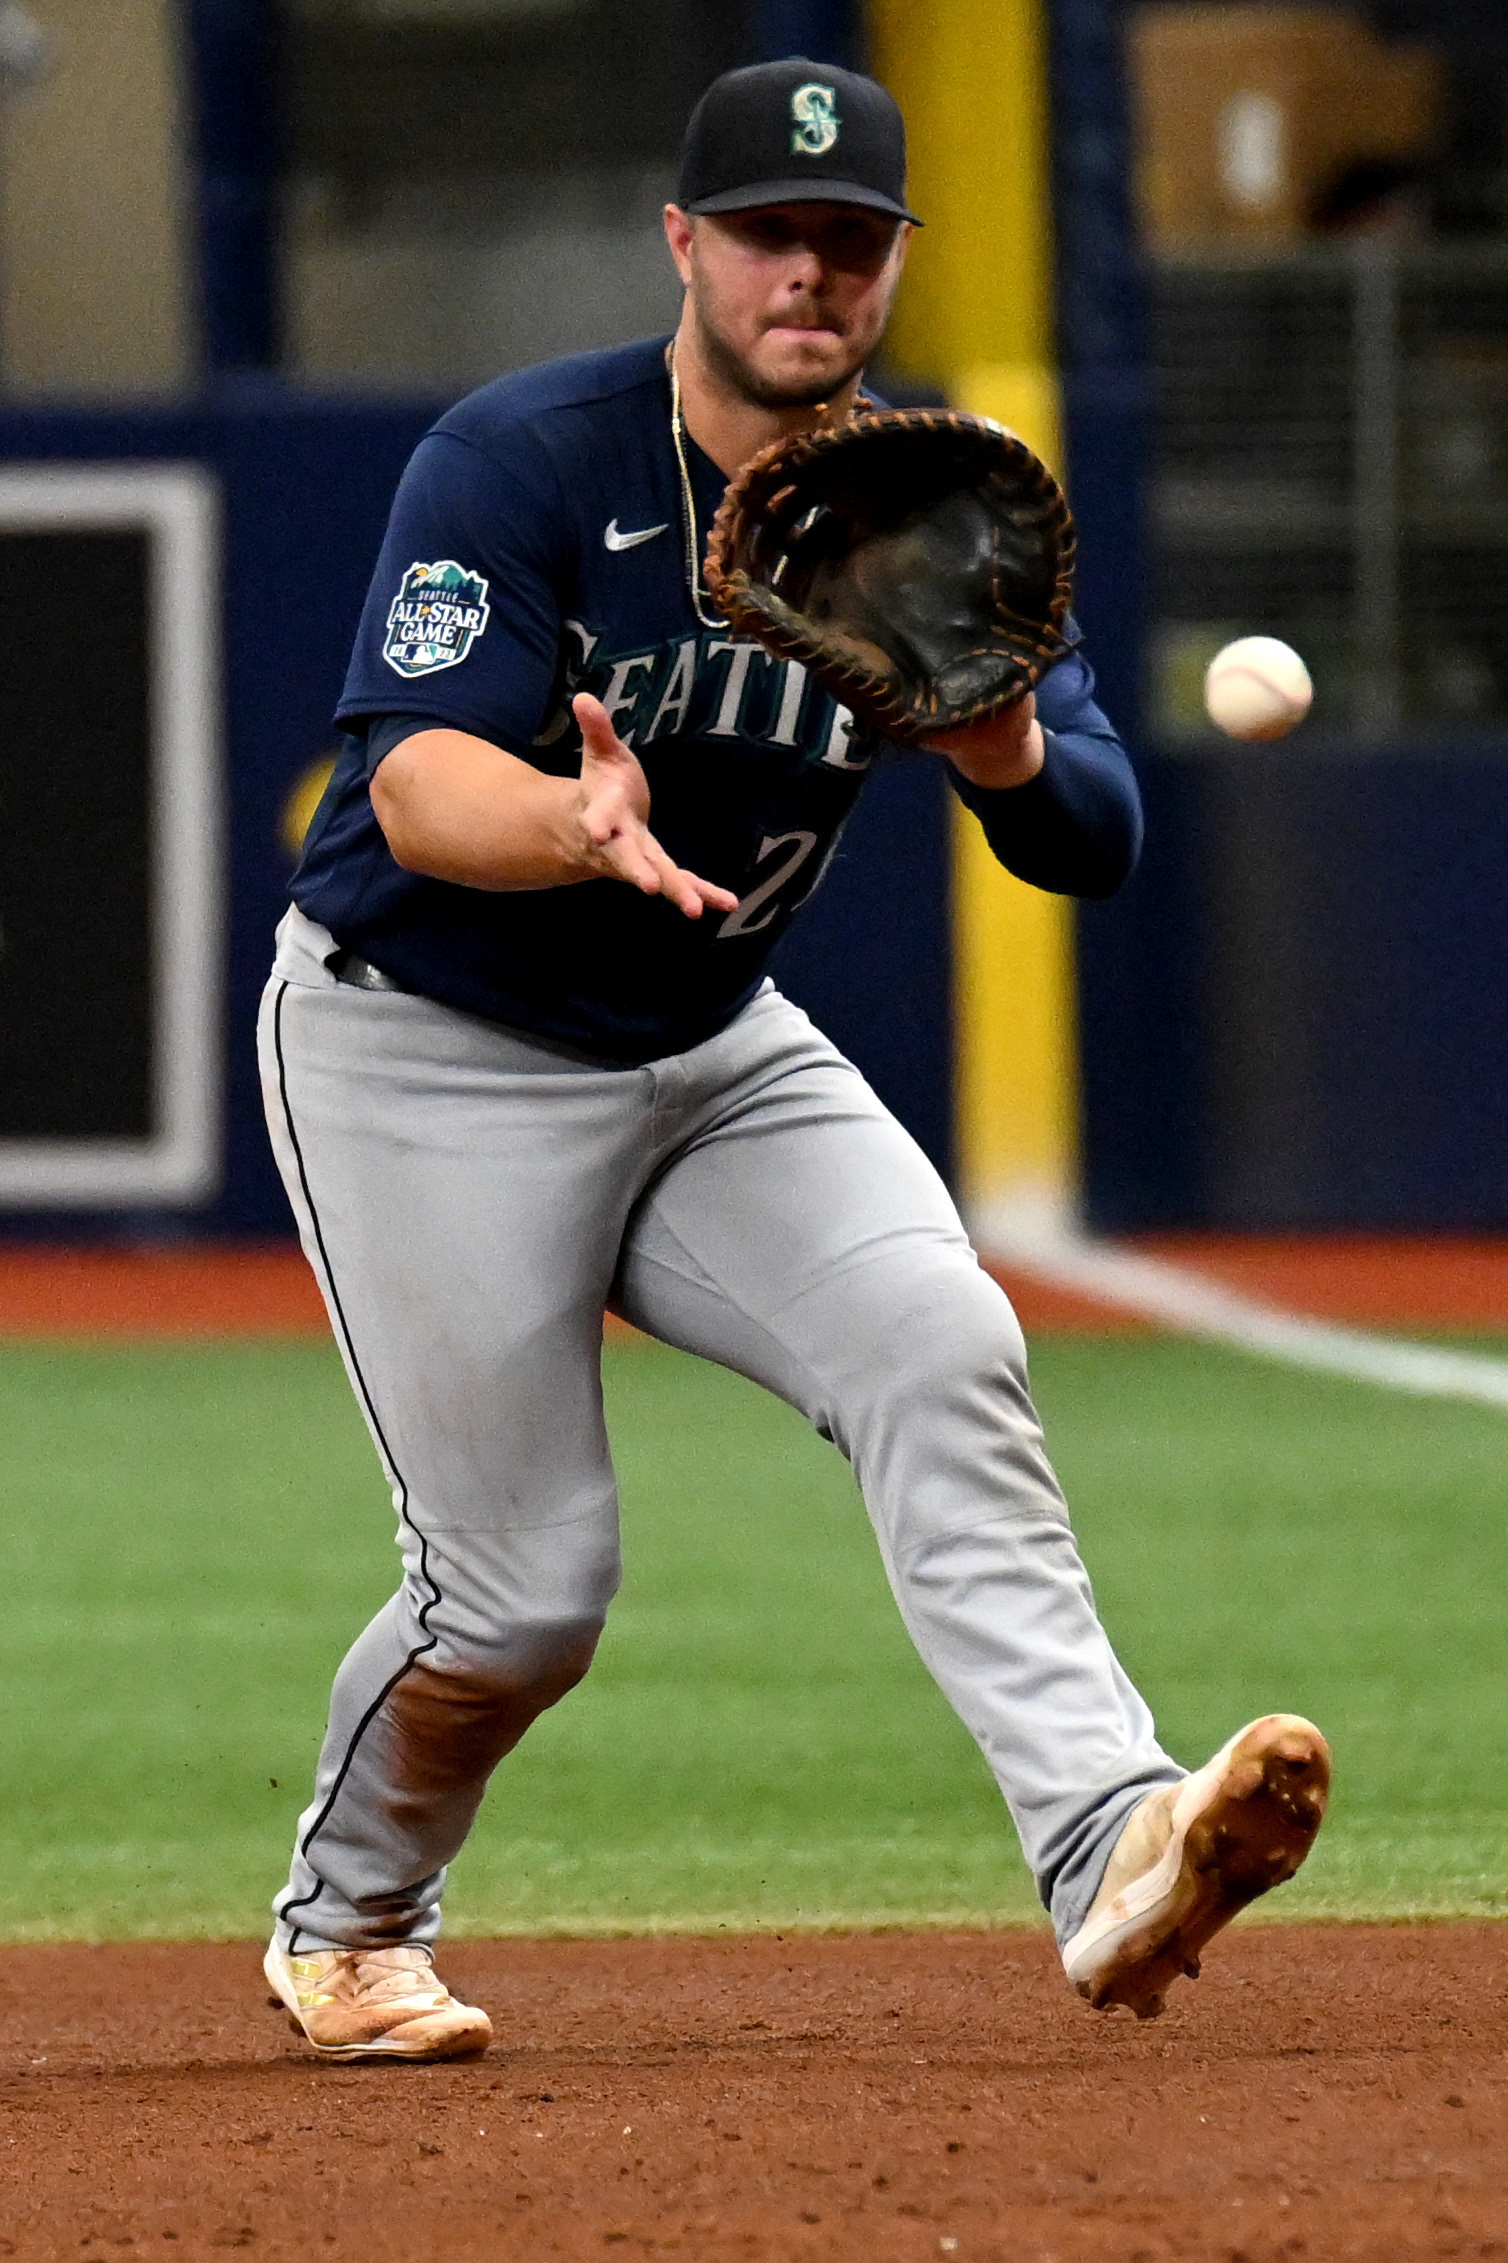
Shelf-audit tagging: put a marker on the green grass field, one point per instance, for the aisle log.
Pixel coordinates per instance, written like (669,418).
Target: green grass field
(193,1535)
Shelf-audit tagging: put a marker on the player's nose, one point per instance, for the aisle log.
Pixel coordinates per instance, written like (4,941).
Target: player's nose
(807,269)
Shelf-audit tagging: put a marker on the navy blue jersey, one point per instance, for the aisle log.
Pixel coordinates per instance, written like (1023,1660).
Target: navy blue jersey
(537,548)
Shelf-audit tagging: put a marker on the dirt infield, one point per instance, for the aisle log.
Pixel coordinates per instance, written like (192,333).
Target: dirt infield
(1327,2094)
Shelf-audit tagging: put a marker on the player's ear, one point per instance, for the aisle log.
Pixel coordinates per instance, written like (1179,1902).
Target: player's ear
(679,229)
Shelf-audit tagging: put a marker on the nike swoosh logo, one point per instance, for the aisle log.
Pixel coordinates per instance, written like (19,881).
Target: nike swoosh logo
(617,541)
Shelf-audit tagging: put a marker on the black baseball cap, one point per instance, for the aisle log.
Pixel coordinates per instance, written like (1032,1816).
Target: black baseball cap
(796,132)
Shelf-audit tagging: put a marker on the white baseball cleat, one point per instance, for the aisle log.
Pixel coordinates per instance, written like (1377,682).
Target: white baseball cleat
(374,2004)
(1192,1855)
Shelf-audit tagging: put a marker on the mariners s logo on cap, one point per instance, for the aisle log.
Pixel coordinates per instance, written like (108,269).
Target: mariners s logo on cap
(436,617)
(815,120)
(777,133)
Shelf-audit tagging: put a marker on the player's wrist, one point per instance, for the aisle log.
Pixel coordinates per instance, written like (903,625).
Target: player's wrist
(998,753)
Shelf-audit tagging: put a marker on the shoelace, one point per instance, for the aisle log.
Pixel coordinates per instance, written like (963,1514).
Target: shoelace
(378,1982)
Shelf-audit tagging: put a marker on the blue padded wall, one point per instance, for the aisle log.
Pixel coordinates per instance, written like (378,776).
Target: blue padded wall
(305,485)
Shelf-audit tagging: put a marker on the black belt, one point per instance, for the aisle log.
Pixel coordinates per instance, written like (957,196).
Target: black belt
(360,974)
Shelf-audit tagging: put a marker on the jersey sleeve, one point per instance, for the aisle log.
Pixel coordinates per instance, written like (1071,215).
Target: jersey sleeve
(1076,828)
(462,623)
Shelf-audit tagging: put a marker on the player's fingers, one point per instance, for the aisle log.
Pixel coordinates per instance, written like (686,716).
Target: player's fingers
(674,883)
(599,741)
(630,852)
(686,890)
(693,895)
(625,856)
(715,898)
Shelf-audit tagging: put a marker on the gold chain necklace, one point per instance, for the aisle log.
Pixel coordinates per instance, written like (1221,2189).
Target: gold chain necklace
(696,588)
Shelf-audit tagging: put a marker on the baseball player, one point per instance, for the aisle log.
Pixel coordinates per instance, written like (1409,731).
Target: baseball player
(522,1062)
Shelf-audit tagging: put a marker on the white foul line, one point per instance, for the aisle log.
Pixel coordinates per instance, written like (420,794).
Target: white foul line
(1198,1306)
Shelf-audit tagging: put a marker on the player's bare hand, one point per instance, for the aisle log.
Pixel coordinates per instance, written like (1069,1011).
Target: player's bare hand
(613,814)
(1004,750)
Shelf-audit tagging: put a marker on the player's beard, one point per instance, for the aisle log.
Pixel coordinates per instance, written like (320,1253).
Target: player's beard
(742,378)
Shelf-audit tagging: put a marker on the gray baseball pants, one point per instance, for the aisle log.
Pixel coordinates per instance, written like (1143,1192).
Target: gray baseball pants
(470,1201)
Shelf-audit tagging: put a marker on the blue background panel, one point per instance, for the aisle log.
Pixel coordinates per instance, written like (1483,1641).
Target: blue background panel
(1296,1015)
(305,486)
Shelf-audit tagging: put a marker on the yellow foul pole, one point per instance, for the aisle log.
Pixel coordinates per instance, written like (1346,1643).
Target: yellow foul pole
(975,317)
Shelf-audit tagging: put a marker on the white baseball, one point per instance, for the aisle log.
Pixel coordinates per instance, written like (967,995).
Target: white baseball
(1257,688)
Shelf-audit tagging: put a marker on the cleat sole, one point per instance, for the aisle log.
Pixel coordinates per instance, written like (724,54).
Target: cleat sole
(1240,1827)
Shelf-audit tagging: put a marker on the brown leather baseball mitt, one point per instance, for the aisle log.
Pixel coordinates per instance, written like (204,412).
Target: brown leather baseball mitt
(918,561)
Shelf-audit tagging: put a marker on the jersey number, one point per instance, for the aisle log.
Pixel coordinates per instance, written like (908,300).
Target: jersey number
(760,905)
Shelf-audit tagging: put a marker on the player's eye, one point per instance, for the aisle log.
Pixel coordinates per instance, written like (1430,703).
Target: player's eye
(855,244)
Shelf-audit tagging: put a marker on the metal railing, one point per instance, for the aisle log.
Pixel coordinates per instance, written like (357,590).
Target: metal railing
(1330,465)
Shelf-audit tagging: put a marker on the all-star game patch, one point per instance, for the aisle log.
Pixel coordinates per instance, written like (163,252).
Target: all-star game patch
(435,619)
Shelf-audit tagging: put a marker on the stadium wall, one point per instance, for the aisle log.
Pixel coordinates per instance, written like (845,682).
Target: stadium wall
(1293,1018)
(303,488)
(1294,1015)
